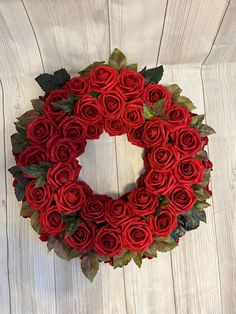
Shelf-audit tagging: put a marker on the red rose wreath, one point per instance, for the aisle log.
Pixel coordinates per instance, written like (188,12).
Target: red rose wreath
(171,194)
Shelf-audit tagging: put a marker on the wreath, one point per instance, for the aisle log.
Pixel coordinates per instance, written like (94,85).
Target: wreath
(170,195)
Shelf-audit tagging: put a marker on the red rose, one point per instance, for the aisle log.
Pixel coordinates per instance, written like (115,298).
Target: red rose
(154,92)
(31,155)
(95,130)
(107,241)
(61,149)
(178,116)
(159,182)
(51,222)
(115,127)
(187,140)
(208,164)
(163,224)
(133,113)
(142,202)
(73,128)
(80,147)
(140,181)
(40,130)
(94,208)
(154,133)
(131,83)
(63,172)
(103,78)
(113,103)
(135,136)
(117,211)
(70,197)
(38,198)
(78,86)
(81,239)
(88,109)
(182,198)
(136,235)
(53,113)
(204,140)
(189,170)
(163,157)
(86,188)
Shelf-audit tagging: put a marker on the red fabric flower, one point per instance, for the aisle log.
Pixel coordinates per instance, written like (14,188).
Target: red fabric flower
(154,92)
(107,241)
(103,78)
(81,239)
(78,85)
(40,130)
(38,198)
(182,198)
(163,224)
(142,202)
(50,221)
(54,96)
(131,83)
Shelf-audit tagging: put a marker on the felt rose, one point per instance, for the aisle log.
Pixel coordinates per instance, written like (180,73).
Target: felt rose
(178,115)
(78,85)
(81,239)
(86,188)
(63,172)
(107,241)
(88,109)
(154,92)
(136,234)
(142,202)
(73,128)
(95,130)
(32,155)
(131,83)
(40,130)
(162,157)
(154,133)
(187,140)
(54,96)
(113,104)
(189,170)
(163,224)
(103,78)
(115,127)
(159,182)
(133,114)
(182,198)
(61,149)
(135,136)
(51,222)
(38,198)
(117,211)
(70,197)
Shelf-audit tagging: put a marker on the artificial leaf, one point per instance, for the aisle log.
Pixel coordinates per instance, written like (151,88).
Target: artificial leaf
(123,259)
(186,102)
(28,117)
(26,210)
(164,201)
(200,214)
(151,250)
(165,244)
(72,225)
(206,130)
(191,220)
(159,107)
(137,258)
(34,220)
(202,154)
(178,232)
(175,90)
(102,258)
(117,59)
(201,204)
(91,67)
(61,77)
(197,120)
(37,105)
(20,190)
(133,66)
(20,128)
(40,181)
(16,172)
(49,82)
(89,266)
(50,243)
(19,142)
(64,104)
(61,249)
(153,75)
(73,253)
(95,94)
(148,112)
(33,170)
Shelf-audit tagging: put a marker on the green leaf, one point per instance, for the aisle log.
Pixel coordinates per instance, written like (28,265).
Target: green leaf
(35,222)
(95,94)
(133,66)
(19,142)
(123,259)
(16,172)
(137,258)
(40,181)
(197,120)
(28,117)
(178,232)
(33,170)
(202,194)
(206,130)
(26,210)
(89,266)
(20,128)
(148,112)
(165,244)
(206,179)
(72,225)
(201,204)
(61,249)
(64,104)
(175,90)
(49,82)
(20,190)
(103,258)
(50,243)
(151,250)
(73,253)
(186,102)
(200,214)
(91,67)
(191,220)
(37,105)
(202,154)
(165,201)
(153,75)
(159,107)
(117,59)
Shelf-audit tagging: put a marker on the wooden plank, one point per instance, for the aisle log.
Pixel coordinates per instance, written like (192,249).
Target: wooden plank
(5,286)
(136,29)
(31,274)
(195,261)
(219,75)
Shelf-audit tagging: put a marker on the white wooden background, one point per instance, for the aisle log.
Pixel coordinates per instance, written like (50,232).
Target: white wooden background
(196,41)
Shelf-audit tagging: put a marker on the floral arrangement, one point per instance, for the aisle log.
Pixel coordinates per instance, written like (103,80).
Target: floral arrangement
(170,195)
